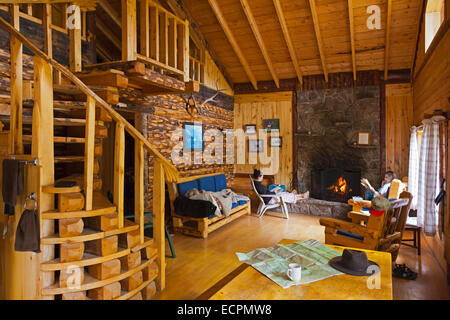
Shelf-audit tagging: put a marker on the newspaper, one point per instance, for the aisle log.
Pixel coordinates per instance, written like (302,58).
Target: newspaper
(311,255)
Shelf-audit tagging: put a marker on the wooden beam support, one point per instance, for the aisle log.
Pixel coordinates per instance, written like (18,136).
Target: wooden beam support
(288,40)
(220,17)
(172,42)
(113,14)
(139,188)
(259,39)
(163,37)
(420,19)
(89,153)
(315,18)
(144,17)
(47,25)
(16,47)
(108,33)
(388,39)
(119,171)
(75,43)
(154,33)
(129,28)
(158,219)
(352,36)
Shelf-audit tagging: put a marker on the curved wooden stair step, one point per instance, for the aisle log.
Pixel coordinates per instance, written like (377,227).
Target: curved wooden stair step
(59,122)
(78,187)
(68,159)
(51,215)
(147,243)
(125,295)
(88,260)
(91,283)
(59,104)
(87,235)
(28,138)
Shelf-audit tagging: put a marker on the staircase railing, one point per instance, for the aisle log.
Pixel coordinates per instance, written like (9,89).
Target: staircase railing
(163,168)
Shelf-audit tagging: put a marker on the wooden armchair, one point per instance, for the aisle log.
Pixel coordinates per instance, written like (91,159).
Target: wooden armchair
(367,231)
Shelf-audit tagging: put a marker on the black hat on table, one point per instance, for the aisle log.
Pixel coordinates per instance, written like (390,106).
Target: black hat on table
(354,262)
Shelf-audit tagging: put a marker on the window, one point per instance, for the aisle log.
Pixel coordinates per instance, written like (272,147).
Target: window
(434,16)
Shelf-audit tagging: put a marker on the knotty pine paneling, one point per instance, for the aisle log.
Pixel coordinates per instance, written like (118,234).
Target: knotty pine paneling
(253,109)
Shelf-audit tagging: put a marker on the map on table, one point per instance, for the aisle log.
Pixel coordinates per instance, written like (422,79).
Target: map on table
(311,255)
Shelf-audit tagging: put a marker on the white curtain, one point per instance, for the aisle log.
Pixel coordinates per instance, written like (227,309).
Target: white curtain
(428,177)
(413,173)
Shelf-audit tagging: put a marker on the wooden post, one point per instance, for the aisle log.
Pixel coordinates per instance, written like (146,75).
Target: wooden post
(139,187)
(129,36)
(15,135)
(158,219)
(42,148)
(47,25)
(89,152)
(154,33)
(163,37)
(75,42)
(145,28)
(172,42)
(183,49)
(119,170)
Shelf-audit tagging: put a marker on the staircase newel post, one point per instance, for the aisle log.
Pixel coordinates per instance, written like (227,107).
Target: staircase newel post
(89,152)
(139,187)
(158,218)
(119,170)
(43,149)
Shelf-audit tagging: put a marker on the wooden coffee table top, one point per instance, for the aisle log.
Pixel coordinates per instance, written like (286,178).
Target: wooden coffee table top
(246,283)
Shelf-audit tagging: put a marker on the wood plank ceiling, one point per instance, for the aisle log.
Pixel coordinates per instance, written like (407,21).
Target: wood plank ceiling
(253,32)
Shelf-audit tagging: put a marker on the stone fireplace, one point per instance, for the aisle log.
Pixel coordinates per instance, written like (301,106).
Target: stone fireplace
(327,128)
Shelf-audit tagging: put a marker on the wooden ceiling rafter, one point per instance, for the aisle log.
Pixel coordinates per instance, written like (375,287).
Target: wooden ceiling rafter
(180,10)
(288,40)
(108,33)
(230,37)
(111,11)
(254,26)
(87,5)
(312,5)
(352,36)
(388,38)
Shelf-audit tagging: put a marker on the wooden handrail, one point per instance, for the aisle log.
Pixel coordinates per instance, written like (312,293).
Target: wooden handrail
(170,171)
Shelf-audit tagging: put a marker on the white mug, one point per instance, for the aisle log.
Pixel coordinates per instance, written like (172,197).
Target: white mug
(294,272)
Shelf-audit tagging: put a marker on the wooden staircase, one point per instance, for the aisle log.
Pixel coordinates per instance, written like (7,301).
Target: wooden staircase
(89,250)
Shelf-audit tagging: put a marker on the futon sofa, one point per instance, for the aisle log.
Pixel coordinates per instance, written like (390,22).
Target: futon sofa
(201,227)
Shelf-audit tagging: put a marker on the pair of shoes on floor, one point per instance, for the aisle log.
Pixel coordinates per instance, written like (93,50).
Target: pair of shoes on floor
(403,272)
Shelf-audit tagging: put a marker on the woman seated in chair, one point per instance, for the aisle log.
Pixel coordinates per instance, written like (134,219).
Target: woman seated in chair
(288,197)
(383,191)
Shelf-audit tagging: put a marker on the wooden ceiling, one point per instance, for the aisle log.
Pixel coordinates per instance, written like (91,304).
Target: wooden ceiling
(260,40)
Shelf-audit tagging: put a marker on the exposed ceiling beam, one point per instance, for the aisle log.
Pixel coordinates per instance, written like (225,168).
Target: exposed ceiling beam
(312,4)
(259,39)
(108,33)
(287,38)
(232,40)
(181,11)
(352,36)
(111,11)
(388,39)
(420,19)
(84,4)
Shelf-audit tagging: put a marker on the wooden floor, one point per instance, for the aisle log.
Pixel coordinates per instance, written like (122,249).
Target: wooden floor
(200,263)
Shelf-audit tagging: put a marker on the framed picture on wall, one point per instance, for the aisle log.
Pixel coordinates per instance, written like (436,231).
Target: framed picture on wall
(363,139)
(276,142)
(250,129)
(271,125)
(255,146)
(193,136)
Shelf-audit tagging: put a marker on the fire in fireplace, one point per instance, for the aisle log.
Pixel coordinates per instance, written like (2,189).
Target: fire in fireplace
(336,184)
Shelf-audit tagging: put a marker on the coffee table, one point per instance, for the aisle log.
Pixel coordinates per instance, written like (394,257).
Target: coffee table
(246,283)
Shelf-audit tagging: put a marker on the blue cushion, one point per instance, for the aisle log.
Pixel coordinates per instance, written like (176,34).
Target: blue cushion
(207,184)
(221,182)
(242,202)
(186,186)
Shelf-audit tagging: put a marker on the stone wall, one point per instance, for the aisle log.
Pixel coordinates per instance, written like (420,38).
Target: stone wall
(327,127)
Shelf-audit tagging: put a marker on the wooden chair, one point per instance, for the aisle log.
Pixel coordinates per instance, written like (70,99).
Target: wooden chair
(368,231)
(263,207)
